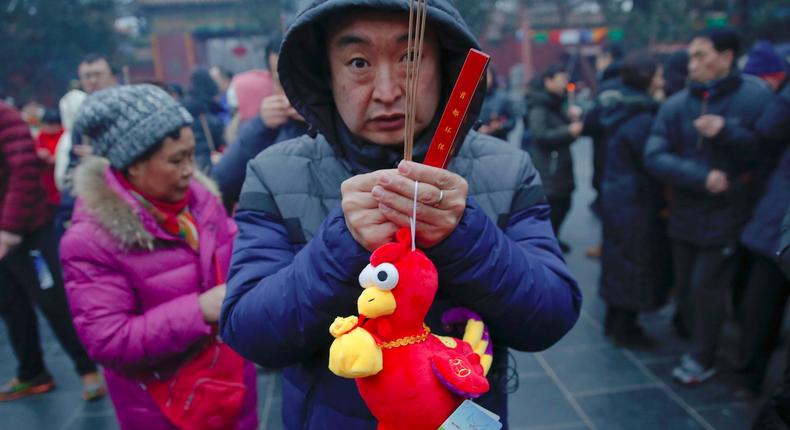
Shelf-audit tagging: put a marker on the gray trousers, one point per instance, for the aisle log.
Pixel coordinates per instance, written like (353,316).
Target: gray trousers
(704,276)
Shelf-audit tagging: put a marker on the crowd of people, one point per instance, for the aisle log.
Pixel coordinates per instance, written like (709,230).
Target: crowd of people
(191,234)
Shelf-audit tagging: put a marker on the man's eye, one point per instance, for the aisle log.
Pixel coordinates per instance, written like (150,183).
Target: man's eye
(408,56)
(358,63)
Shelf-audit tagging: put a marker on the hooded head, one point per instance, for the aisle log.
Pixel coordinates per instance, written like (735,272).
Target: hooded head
(342,66)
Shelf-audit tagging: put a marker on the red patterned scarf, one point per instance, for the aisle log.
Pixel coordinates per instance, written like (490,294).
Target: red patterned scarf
(174,218)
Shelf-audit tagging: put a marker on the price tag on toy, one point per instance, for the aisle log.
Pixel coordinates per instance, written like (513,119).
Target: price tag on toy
(471,416)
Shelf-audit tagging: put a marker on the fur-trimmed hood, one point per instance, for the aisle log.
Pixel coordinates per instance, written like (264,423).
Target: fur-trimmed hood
(118,212)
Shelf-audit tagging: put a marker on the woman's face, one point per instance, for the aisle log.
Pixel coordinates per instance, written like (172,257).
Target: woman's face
(166,175)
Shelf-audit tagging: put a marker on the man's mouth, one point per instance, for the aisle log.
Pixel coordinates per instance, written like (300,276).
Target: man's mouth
(390,122)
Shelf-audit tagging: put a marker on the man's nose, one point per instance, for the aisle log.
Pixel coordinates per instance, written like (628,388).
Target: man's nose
(389,86)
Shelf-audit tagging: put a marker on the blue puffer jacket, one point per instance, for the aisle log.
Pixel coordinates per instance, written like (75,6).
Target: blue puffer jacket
(254,137)
(295,264)
(763,232)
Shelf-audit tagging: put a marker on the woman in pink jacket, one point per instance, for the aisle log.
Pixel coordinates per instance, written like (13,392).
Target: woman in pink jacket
(144,263)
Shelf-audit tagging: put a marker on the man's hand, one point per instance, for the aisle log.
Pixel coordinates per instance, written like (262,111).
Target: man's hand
(276,110)
(364,220)
(441,200)
(709,125)
(8,241)
(717,182)
(211,302)
(576,128)
(575,113)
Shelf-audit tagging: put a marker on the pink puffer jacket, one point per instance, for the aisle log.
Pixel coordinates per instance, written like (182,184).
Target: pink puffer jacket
(133,290)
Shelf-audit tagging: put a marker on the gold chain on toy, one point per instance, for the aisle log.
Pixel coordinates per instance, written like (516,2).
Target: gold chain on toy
(408,340)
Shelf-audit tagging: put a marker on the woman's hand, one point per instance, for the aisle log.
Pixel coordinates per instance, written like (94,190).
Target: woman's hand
(441,200)
(211,303)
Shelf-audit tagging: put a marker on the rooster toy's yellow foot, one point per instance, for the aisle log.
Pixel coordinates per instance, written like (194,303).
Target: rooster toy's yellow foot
(355,354)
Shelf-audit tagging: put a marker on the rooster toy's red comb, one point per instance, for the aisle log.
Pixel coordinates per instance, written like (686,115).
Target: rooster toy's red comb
(393,251)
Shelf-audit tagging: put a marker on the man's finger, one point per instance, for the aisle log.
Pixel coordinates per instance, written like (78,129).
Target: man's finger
(426,193)
(440,178)
(406,205)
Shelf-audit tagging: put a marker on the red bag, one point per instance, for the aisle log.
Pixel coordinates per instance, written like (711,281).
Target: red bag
(206,392)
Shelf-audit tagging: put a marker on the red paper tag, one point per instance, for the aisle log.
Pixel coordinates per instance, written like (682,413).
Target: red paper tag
(457,107)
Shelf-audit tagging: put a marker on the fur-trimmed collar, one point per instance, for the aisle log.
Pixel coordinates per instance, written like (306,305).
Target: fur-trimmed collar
(113,211)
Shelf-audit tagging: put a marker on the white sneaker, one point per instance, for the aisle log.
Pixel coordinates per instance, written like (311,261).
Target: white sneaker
(691,372)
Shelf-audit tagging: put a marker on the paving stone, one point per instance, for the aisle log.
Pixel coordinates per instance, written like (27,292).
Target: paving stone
(739,416)
(718,390)
(594,368)
(539,402)
(646,409)
(93,423)
(43,411)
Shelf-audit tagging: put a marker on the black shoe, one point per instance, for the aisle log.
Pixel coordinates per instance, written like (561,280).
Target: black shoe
(634,338)
(565,248)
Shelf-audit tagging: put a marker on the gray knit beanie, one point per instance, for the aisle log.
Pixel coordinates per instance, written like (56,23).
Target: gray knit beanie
(124,122)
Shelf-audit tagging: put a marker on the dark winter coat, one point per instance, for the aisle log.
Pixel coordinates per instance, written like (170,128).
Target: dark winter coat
(295,264)
(763,232)
(678,155)
(23,199)
(551,141)
(635,260)
(254,137)
(784,247)
(208,127)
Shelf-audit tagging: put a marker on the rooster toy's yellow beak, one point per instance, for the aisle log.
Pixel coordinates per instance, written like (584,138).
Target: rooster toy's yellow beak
(374,303)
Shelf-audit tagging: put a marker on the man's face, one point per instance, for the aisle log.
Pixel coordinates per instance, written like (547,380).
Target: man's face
(706,63)
(557,84)
(367,60)
(95,76)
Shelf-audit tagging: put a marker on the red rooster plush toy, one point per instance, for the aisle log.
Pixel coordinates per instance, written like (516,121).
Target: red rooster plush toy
(408,378)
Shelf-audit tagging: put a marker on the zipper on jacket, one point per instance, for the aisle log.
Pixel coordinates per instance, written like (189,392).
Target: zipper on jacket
(703,111)
(555,155)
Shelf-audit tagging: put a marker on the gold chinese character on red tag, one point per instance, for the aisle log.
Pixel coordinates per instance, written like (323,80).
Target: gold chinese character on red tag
(463,95)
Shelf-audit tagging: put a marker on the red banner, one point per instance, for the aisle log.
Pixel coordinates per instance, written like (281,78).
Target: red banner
(457,107)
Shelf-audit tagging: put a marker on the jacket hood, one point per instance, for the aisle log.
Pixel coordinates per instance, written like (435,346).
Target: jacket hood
(125,219)
(617,105)
(303,74)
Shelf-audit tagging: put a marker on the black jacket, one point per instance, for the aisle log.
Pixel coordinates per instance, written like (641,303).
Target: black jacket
(678,155)
(551,142)
(208,127)
(635,260)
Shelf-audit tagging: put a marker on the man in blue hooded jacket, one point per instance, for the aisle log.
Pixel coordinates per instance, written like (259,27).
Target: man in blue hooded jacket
(311,210)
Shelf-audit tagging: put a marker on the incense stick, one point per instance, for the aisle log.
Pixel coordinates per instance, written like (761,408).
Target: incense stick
(406,150)
(417,24)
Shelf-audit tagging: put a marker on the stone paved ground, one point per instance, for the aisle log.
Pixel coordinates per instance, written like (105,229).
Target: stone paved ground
(583,382)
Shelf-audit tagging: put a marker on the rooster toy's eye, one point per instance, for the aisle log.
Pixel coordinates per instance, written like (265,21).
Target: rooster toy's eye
(366,277)
(385,276)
